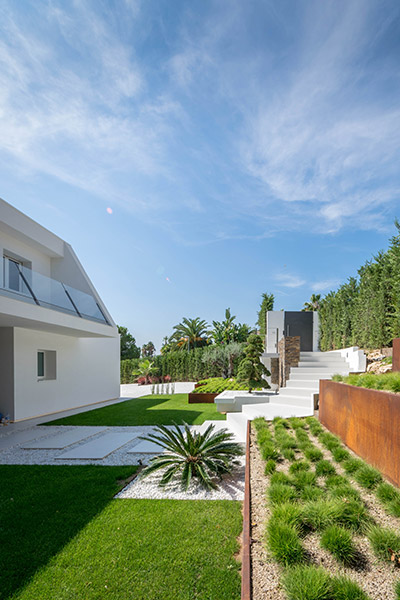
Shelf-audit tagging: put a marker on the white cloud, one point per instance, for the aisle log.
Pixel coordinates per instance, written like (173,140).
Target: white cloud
(326,284)
(290,281)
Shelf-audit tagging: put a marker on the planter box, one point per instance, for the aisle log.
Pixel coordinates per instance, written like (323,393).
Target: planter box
(201,398)
(368,422)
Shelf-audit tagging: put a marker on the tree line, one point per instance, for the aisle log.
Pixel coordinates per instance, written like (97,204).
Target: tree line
(365,311)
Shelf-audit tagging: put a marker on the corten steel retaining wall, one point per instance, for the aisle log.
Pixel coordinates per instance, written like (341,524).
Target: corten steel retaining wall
(201,398)
(368,421)
(246,540)
(396,355)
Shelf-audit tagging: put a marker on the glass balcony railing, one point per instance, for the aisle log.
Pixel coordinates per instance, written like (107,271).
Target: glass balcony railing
(36,288)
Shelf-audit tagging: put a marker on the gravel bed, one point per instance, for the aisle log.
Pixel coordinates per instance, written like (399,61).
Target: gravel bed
(16,455)
(230,488)
(266,572)
(377,578)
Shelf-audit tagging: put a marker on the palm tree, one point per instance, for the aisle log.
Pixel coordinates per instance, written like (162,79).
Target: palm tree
(191,333)
(313,304)
(145,369)
(192,454)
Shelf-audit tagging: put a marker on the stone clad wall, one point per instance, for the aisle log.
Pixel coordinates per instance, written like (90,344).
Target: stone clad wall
(274,370)
(289,356)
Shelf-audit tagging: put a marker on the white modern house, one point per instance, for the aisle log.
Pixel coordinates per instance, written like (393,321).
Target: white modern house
(59,347)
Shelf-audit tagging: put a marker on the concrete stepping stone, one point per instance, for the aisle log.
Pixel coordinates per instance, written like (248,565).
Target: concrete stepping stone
(17,437)
(64,438)
(145,447)
(98,448)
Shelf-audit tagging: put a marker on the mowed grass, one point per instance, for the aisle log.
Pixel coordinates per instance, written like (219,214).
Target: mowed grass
(62,536)
(147,410)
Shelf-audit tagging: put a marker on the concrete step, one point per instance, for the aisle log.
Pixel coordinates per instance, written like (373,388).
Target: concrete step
(294,400)
(321,355)
(312,384)
(316,364)
(297,391)
(237,423)
(304,374)
(272,410)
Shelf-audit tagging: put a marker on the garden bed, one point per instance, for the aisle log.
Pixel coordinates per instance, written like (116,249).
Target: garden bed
(329,528)
(366,420)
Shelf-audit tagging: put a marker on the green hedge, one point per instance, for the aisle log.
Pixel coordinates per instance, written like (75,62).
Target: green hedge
(216,385)
(365,311)
(189,366)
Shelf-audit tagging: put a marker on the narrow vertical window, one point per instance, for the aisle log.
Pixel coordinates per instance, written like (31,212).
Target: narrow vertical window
(40,364)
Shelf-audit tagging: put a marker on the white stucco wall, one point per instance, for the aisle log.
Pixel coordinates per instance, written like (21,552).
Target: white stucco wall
(275,329)
(87,372)
(40,261)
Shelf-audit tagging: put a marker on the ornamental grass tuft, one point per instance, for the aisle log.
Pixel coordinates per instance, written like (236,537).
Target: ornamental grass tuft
(383,541)
(313,454)
(352,465)
(311,492)
(339,542)
(320,514)
(289,514)
(324,468)
(299,465)
(307,583)
(279,493)
(368,477)
(301,479)
(345,589)
(270,466)
(340,454)
(284,543)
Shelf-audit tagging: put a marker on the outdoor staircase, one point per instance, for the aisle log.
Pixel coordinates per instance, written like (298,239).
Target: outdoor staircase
(296,399)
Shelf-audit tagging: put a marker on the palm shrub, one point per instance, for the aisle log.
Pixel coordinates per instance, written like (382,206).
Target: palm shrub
(201,456)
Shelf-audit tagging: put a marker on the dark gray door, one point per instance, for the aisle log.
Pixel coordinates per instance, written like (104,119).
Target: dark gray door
(300,323)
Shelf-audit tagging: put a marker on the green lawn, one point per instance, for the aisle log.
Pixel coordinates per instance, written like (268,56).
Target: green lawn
(62,536)
(148,410)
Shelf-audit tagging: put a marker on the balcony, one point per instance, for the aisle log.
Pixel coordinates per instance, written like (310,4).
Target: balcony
(22,283)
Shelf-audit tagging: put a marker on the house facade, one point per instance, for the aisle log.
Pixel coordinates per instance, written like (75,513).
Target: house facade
(59,347)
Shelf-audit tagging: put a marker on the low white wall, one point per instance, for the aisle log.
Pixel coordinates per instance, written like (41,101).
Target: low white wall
(87,372)
(355,358)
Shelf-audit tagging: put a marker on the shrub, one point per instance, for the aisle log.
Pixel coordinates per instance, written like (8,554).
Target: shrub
(311,492)
(345,492)
(340,454)
(368,477)
(329,441)
(304,478)
(280,477)
(339,542)
(324,468)
(352,515)
(192,455)
(289,514)
(313,454)
(386,492)
(299,465)
(320,514)
(307,583)
(280,493)
(383,542)
(397,590)
(270,466)
(346,589)
(289,454)
(268,451)
(335,480)
(284,543)
(352,465)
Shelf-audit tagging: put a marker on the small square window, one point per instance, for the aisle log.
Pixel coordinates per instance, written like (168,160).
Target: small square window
(46,364)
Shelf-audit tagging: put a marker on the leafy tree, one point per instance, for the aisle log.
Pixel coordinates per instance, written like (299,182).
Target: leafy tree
(227,331)
(128,344)
(190,333)
(223,358)
(314,303)
(201,456)
(148,349)
(251,369)
(267,303)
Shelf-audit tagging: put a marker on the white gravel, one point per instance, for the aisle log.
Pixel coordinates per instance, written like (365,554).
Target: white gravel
(16,455)
(230,488)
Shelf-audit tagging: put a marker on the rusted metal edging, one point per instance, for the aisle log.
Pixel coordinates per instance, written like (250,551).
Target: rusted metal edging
(246,559)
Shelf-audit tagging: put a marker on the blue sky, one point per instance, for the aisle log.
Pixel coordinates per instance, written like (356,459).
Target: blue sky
(242,147)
